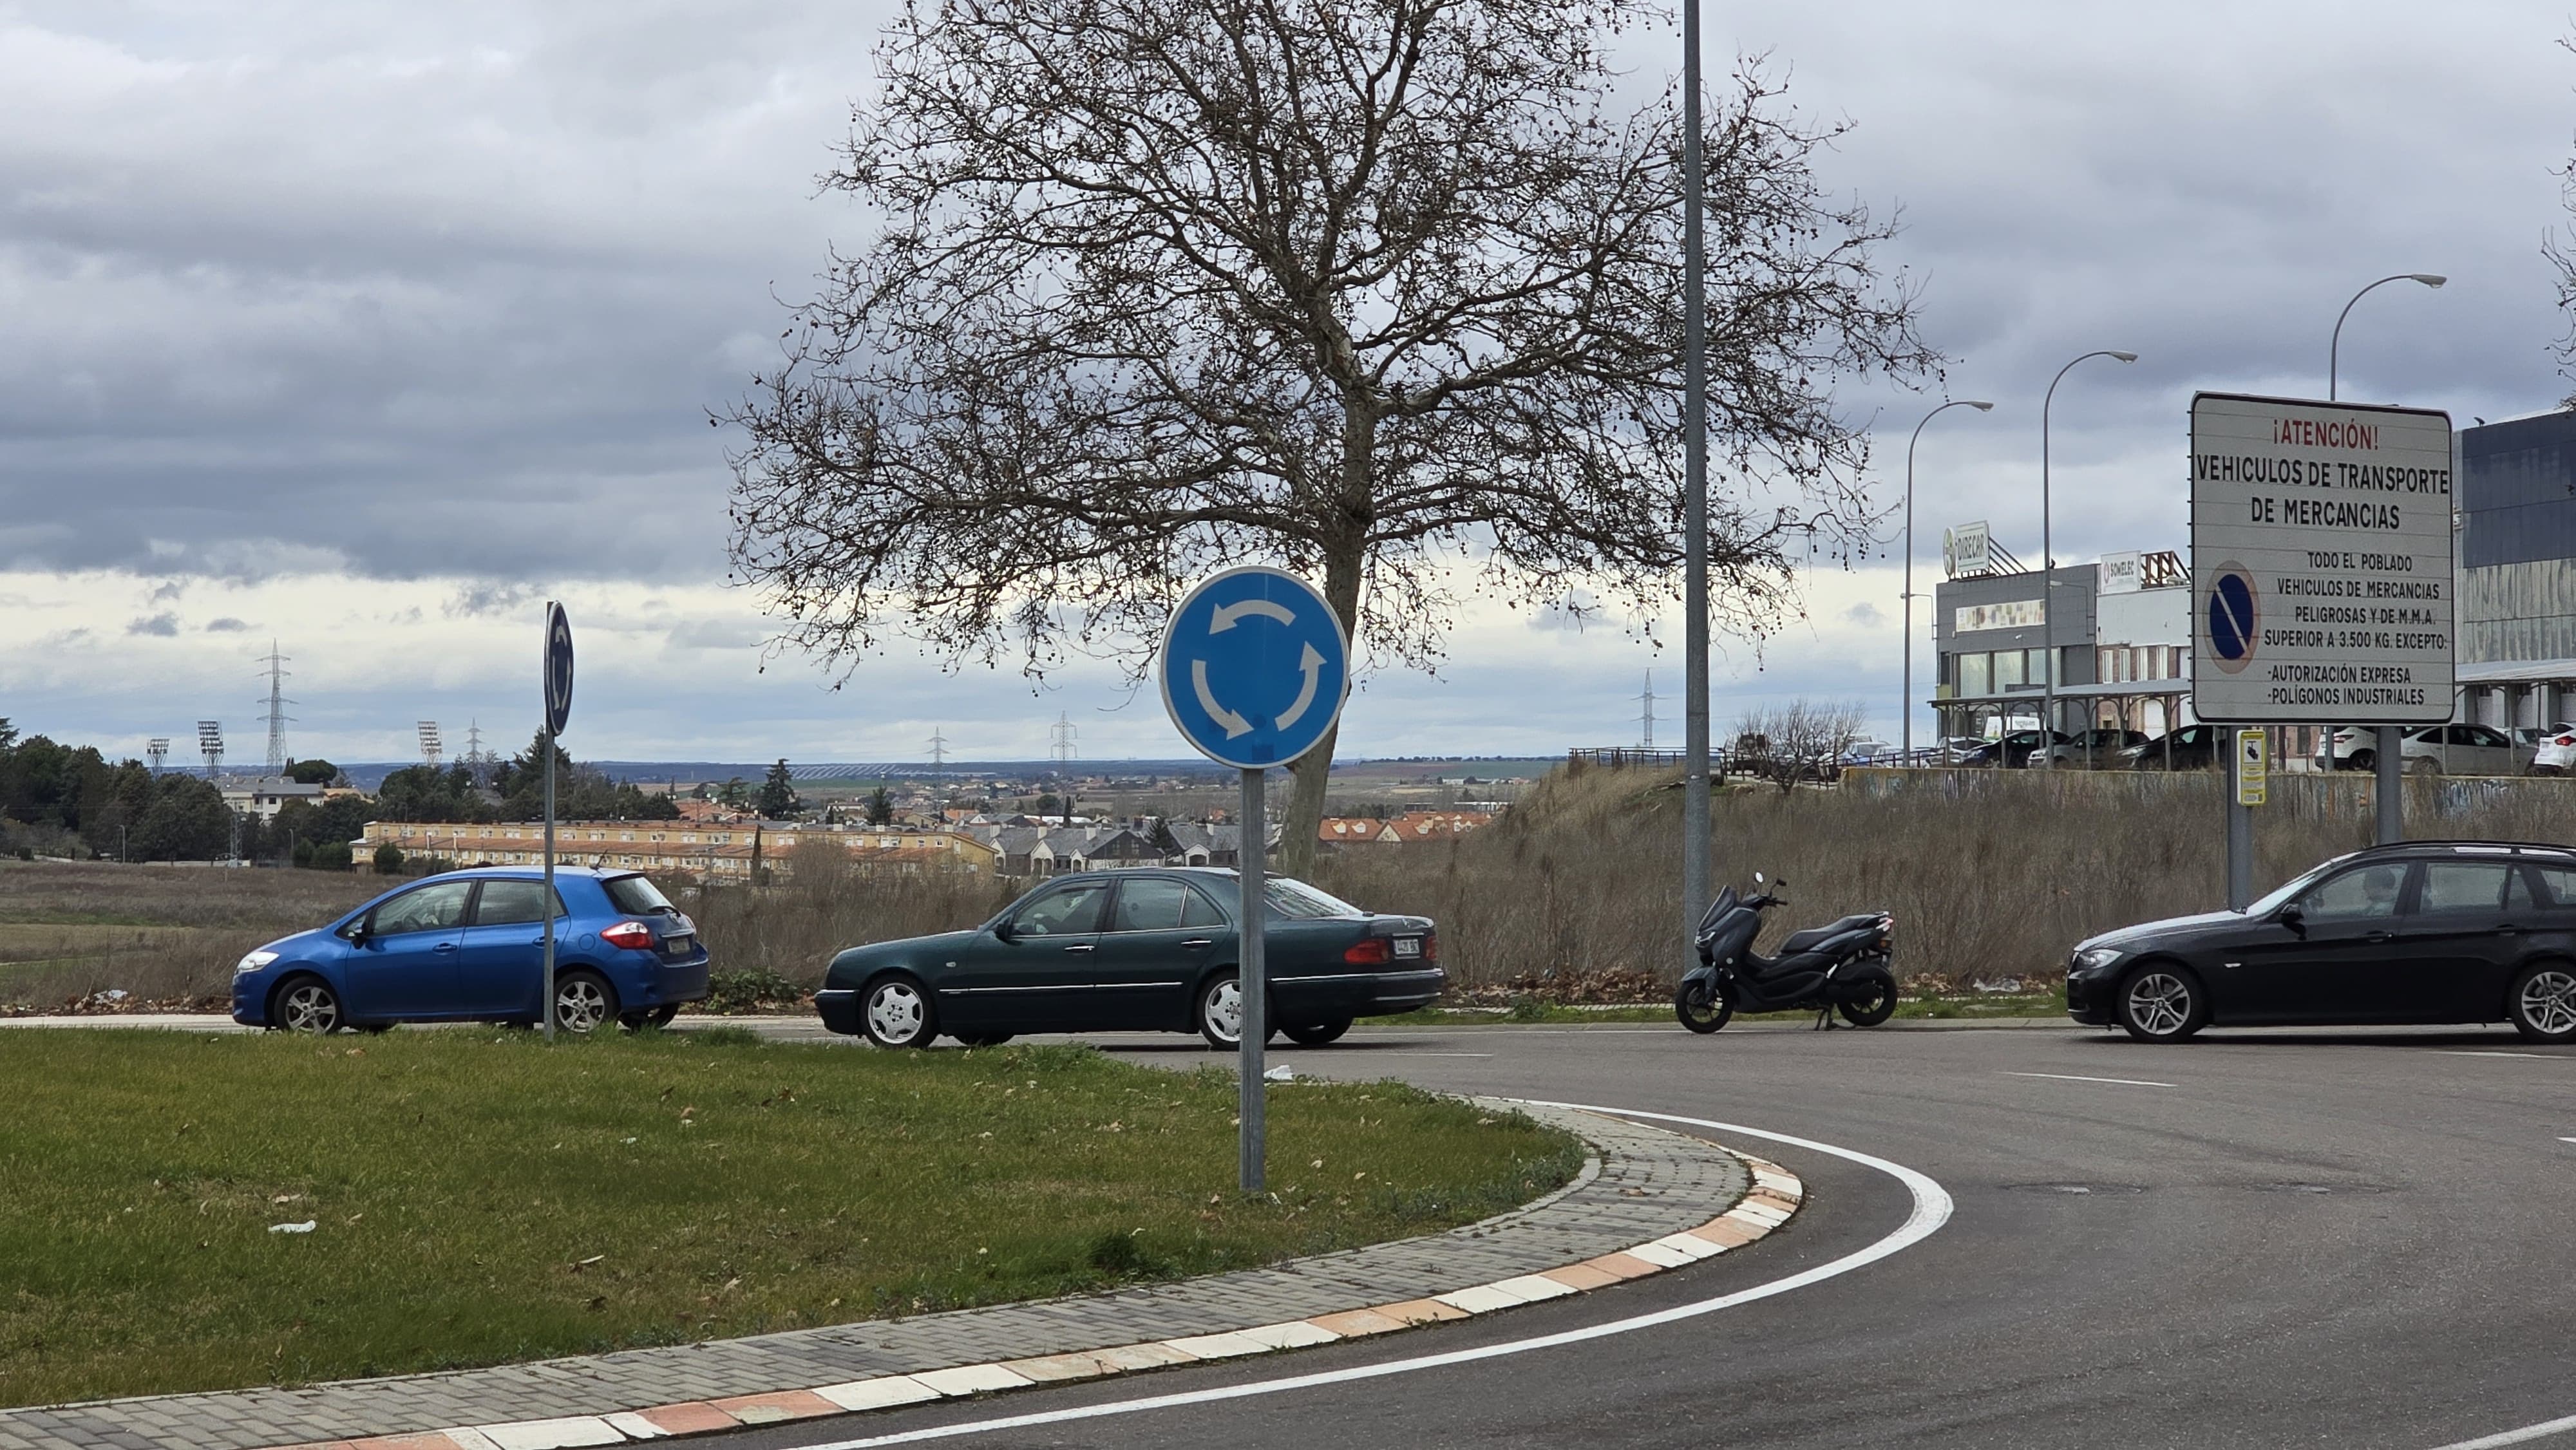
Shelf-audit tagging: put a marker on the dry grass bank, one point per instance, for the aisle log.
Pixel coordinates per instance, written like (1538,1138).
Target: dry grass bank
(1988,874)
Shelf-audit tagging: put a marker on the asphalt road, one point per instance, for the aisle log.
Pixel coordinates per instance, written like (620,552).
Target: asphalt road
(2255,1239)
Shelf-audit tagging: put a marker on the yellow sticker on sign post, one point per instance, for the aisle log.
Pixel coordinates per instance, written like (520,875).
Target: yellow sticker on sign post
(2253,765)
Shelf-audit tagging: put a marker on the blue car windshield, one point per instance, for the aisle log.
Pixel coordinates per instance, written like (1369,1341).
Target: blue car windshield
(636,896)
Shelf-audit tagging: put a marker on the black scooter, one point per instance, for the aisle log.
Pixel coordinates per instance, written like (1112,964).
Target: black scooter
(1838,968)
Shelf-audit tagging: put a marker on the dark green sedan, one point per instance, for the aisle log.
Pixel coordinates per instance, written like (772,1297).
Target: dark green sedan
(1139,949)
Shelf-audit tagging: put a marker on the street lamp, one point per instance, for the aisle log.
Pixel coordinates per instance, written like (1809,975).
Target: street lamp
(2334,348)
(2048,562)
(2389,805)
(1906,703)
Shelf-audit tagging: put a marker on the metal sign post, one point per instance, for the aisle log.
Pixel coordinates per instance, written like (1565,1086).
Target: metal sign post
(558,685)
(2250,777)
(2321,565)
(1254,668)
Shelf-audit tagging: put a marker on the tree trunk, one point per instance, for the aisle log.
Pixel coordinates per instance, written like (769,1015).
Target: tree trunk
(1312,772)
(1343,565)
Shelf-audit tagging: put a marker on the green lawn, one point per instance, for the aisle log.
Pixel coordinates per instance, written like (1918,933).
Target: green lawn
(478,1198)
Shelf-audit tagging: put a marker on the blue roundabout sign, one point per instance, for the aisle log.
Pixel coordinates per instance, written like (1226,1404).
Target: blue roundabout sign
(1254,668)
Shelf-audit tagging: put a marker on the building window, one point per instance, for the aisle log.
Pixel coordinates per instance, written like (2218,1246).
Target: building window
(1976,674)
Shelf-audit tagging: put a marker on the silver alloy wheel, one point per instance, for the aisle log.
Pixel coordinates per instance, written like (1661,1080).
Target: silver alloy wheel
(2549,1001)
(895,1012)
(1222,1010)
(308,1007)
(581,1005)
(2159,1003)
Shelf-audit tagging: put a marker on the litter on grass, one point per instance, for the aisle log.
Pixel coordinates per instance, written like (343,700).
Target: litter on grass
(305,1227)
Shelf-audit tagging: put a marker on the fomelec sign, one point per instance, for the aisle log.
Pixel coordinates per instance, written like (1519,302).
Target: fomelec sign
(2321,553)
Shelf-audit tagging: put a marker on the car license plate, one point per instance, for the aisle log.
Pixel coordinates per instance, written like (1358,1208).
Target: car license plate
(679,945)
(1408,946)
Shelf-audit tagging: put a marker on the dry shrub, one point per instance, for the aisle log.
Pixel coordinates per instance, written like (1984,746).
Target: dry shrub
(792,926)
(1989,874)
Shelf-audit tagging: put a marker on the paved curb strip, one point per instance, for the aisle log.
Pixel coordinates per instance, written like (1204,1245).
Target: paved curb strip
(1650,1200)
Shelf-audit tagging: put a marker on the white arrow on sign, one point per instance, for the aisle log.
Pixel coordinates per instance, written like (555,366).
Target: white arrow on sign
(1225,616)
(1313,664)
(1234,724)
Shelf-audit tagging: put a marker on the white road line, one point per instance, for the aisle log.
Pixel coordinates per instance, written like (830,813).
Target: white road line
(2070,1077)
(1406,1052)
(2541,1431)
(2567,1140)
(2489,1052)
(1932,1209)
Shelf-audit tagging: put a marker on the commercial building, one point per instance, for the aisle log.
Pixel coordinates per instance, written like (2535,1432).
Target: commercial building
(2516,502)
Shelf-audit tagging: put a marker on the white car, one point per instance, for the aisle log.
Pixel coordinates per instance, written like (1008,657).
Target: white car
(2453,749)
(2557,750)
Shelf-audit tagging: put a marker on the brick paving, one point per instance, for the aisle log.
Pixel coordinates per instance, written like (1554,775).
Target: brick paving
(1640,1184)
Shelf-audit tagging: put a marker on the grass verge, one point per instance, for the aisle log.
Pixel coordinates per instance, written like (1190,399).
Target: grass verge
(477,1198)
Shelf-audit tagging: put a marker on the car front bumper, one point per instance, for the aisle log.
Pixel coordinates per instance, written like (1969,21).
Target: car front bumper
(839,1009)
(2088,998)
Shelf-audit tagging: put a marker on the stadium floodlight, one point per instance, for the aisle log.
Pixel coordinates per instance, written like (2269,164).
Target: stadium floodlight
(210,744)
(431,746)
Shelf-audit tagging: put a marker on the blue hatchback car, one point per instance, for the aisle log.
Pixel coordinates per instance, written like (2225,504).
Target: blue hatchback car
(468,946)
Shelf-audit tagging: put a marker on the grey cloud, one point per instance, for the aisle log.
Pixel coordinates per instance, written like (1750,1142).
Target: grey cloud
(1866,614)
(226,625)
(165,625)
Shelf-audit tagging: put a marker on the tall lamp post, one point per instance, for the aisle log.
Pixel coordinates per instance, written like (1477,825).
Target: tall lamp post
(2048,563)
(2389,785)
(1906,701)
(1694,500)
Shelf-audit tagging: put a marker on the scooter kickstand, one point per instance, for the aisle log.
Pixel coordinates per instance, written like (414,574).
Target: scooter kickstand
(1824,1019)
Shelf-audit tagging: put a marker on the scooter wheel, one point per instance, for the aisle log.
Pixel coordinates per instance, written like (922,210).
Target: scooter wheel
(1701,1007)
(1876,1005)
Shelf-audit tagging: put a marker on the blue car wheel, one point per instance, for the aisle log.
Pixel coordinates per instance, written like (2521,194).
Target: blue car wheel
(306,1004)
(584,1002)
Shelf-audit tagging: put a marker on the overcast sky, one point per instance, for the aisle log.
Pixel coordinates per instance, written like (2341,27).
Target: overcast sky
(367,326)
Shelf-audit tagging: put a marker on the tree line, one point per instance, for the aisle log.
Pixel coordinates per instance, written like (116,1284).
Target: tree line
(57,796)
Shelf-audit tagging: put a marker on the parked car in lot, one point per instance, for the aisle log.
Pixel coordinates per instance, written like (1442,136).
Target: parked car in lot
(2013,749)
(2553,751)
(2415,931)
(2193,747)
(468,946)
(2454,749)
(1137,949)
(2098,748)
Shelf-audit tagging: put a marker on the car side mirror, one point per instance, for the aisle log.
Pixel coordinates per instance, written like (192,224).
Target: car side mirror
(1005,931)
(2294,917)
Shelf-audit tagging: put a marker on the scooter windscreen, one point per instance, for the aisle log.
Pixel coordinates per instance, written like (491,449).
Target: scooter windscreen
(1726,901)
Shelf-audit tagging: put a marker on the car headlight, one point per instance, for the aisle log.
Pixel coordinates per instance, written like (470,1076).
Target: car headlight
(253,962)
(2095,958)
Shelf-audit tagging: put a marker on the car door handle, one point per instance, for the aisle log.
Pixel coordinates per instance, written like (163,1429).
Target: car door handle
(2379,936)
(445,946)
(1080,946)
(1200,941)
(2508,929)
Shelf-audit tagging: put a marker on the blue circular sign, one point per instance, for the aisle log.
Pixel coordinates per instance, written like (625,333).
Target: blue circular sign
(558,669)
(1254,668)
(2234,617)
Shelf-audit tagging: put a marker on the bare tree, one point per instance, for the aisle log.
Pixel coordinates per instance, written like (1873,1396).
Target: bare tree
(1381,292)
(1802,740)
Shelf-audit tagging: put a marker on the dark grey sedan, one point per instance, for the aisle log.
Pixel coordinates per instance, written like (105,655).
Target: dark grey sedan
(1140,949)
